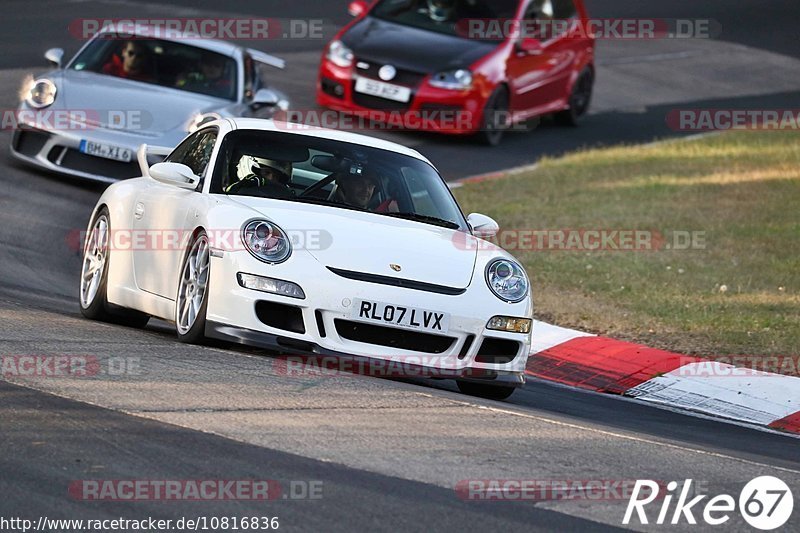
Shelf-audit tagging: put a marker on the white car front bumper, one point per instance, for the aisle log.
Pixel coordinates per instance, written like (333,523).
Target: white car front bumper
(322,323)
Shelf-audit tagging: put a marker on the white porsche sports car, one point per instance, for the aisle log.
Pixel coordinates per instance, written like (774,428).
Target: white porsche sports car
(314,242)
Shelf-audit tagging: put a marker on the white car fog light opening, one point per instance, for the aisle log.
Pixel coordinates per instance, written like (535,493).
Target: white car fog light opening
(271,285)
(507,280)
(509,323)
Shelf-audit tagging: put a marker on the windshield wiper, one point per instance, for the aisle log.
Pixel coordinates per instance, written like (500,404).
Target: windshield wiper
(408,216)
(424,218)
(324,201)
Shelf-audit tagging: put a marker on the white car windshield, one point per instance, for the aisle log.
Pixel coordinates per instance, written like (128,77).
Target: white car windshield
(161,62)
(300,168)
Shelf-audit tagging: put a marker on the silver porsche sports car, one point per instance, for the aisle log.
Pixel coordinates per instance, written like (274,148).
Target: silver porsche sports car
(117,94)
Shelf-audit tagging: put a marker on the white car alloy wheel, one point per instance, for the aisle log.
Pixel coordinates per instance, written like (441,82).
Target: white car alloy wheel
(95,257)
(193,285)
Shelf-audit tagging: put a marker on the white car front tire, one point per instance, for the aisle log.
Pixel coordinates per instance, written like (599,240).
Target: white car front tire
(94,278)
(191,302)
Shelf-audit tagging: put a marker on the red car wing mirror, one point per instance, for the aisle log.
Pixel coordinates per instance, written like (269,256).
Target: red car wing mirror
(357,8)
(530,46)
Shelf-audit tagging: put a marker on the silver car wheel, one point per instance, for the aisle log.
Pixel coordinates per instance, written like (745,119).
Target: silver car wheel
(95,256)
(193,285)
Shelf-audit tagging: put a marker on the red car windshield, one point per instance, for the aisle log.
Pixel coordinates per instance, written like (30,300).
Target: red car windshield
(443,16)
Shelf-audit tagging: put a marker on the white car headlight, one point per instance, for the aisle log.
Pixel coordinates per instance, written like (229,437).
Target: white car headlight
(266,241)
(339,54)
(453,79)
(41,93)
(200,119)
(507,280)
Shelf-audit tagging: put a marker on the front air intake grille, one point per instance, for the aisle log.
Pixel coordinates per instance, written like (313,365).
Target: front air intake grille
(29,142)
(377,103)
(76,160)
(400,339)
(281,316)
(407,78)
(320,323)
(497,351)
(397,282)
(332,88)
(466,346)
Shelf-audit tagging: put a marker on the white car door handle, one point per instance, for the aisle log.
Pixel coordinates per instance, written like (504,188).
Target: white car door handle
(138,213)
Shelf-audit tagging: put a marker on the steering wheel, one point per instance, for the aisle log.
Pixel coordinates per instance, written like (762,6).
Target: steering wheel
(248,181)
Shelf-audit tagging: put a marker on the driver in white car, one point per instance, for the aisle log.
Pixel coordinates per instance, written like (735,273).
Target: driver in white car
(268,176)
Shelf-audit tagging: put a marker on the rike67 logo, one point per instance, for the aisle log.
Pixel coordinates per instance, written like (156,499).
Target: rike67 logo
(765,503)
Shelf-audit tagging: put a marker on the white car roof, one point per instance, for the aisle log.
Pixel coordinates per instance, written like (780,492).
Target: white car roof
(324,133)
(146,30)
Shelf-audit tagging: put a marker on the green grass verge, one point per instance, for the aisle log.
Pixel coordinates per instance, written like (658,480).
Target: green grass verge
(738,294)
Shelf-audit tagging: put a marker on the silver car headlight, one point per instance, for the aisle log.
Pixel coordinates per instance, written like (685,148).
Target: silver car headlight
(41,93)
(266,241)
(507,280)
(457,80)
(339,54)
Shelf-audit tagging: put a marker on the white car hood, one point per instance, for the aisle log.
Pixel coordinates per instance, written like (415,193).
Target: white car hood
(370,243)
(160,109)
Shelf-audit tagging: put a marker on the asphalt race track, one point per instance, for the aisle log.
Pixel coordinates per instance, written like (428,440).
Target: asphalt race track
(388,453)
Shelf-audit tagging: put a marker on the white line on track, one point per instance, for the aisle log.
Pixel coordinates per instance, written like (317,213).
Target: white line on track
(152,415)
(618,435)
(670,408)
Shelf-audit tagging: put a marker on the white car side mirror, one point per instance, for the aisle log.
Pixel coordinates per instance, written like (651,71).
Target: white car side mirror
(55,55)
(483,226)
(174,174)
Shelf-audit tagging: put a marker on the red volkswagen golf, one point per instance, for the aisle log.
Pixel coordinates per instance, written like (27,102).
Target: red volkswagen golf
(461,66)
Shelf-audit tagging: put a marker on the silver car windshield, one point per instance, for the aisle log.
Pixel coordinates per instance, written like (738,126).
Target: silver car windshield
(306,169)
(161,62)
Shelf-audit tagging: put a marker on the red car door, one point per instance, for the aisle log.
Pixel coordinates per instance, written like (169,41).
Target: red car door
(540,67)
